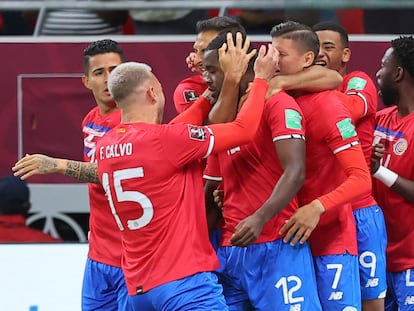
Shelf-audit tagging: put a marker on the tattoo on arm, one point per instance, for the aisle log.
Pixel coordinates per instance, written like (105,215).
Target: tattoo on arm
(83,171)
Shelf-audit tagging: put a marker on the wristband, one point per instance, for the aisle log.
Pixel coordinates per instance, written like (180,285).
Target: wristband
(385,175)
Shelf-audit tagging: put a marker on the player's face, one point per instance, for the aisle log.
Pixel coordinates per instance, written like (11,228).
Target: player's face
(100,66)
(387,88)
(202,40)
(213,75)
(332,53)
(291,59)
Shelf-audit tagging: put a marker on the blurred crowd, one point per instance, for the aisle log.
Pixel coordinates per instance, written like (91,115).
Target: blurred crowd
(182,21)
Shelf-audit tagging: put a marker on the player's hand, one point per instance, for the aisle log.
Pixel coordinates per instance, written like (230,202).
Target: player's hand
(247,231)
(266,64)
(35,164)
(218,197)
(300,226)
(191,62)
(234,57)
(376,156)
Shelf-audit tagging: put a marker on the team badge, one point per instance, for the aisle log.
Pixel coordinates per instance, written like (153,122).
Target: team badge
(197,133)
(190,96)
(400,146)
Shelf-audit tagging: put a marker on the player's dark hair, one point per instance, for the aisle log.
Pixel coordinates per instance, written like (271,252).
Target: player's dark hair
(333,27)
(219,24)
(403,50)
(221,38)
(300,33)
(100,47)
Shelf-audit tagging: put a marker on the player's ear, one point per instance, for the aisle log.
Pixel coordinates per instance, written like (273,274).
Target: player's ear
(309,58)
(85,81)
(346,55)
(151,95)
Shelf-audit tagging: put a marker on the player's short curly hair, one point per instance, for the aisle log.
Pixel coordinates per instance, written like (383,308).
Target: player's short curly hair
(100,47)
(404,52)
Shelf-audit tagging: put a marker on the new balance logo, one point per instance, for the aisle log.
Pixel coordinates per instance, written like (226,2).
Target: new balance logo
(372,283)
(295,307)
(409,300)
(336,296)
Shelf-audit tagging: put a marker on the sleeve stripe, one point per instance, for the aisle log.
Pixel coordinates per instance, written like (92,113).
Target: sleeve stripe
(211,145)
(347,146)
(363,98)
(289,136)
(215,178)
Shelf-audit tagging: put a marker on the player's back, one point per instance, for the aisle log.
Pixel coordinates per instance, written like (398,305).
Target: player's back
(153,180)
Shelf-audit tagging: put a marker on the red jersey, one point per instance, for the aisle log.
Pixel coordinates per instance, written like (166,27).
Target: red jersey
(358,83)
(397,135)
(329,130)
(13,229)
(105,238)
(153,181)
(187,91)
(251,171)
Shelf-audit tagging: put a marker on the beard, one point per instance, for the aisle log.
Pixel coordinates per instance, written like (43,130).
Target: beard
(389,96)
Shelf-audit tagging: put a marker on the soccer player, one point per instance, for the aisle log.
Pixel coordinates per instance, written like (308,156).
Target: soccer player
(189,89)
(361,100)
(393,184)
(152,179)
(336,173)
(261,179)
(103,284)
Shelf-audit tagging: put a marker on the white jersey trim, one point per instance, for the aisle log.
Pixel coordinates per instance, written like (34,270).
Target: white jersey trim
(211,144)
(214,178)
(347,146)
(289,136)
(363,98)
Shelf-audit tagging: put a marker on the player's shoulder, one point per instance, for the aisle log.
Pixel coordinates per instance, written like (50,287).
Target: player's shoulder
(358,80)
(387,111)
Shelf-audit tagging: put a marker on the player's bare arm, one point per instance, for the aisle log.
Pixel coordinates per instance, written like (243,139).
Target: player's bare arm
(39,164)
(313,79)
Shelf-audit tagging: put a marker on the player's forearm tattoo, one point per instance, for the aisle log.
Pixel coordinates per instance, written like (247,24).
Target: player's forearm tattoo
(46,165)
(83,171)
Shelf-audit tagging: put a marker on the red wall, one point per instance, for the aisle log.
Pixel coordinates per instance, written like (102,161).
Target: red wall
(53,106)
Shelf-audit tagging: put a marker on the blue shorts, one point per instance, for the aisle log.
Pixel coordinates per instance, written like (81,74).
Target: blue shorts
(103,288)
(268,276)
(400,294)
(196,292)
(338,282)
(372,242)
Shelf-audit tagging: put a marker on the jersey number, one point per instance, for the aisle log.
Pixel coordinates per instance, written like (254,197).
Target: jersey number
(289,292)
(128,196)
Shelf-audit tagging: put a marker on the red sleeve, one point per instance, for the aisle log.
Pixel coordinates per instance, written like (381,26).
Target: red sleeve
(243,129)
(358,180)
(356,105)
(195,114)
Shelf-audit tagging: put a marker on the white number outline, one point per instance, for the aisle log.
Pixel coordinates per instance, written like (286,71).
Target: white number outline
(338,273)
(288,293)
(128,196)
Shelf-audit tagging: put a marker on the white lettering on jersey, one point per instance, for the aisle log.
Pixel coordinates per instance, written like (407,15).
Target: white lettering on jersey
(115,151)
(409,300)
(336,296)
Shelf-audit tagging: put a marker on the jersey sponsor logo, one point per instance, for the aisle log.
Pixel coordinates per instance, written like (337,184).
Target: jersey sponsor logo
(336,296)
(400,146)
(356,84)
(197,133)
(409,300)
(293,119)
(372,282)
(190,96)
(346,128)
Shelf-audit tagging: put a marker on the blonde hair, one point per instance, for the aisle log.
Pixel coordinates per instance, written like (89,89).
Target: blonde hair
(126,77)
